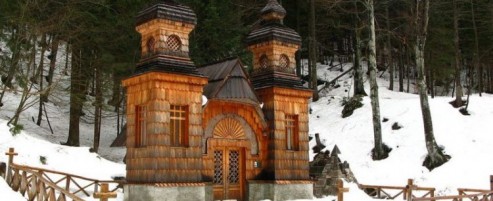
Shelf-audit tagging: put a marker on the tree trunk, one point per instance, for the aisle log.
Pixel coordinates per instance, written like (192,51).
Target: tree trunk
(40,77)
(359,88)
(476,50)
(435,157)
(313,52)
(53,58)
(379,151)
(408,68)
(389,49)
(97,107)
(431,82)
(298,29)
(401,69)
(77,93)
(116,93)
(489,78)
(458,91)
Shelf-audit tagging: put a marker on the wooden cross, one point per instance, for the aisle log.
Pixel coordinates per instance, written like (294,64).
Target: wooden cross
(341,190)
(11,155)
(409,189)
(105,193)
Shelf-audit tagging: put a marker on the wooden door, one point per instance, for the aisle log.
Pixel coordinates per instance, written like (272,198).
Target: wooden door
(228,178)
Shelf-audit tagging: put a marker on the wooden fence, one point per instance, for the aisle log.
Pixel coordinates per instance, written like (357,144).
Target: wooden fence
(465,194)
(42,184)
(488,196)
(408,192)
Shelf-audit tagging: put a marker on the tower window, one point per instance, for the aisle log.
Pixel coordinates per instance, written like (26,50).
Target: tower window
(292,135)
(179,125)
(174,43)
(140,125)
(150,45)
(263,61)
(283,61)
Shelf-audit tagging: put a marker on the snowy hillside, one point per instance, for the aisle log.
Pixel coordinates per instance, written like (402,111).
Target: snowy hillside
(467,139)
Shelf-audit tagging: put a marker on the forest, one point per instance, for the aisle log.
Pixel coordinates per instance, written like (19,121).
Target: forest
(445,44)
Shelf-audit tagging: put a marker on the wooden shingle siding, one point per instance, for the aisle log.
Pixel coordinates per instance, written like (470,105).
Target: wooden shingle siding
(158,161)
(286,164)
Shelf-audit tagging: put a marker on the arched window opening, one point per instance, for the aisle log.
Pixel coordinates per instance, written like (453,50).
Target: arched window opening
(150,45)
(283,61)
(174,43)
(263,61)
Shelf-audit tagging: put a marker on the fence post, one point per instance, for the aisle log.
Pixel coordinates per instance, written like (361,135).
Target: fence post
(409,189)
(11,155)
(105,193)
(341,190)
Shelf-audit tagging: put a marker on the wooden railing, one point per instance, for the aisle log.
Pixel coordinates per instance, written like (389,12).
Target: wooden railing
(408,192)
(42,184)
(487,196)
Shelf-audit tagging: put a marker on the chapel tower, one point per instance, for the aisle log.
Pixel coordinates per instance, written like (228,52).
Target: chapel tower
(285,102)
(164,111)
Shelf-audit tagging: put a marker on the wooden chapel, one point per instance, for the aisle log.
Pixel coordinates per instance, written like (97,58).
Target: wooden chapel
(248,141)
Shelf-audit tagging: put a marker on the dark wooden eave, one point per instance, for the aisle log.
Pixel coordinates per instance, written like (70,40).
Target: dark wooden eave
(168,64)
(269,31)
(169,10)
(277,79)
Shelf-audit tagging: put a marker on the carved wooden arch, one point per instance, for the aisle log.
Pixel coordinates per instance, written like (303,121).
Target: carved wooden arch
(248,131)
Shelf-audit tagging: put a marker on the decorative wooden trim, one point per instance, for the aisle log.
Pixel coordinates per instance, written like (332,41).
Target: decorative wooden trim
(179,184)
(248,132)
(281,182)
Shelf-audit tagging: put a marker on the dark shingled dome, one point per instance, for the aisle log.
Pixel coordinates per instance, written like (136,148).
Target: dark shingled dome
(273,6)
(167,9)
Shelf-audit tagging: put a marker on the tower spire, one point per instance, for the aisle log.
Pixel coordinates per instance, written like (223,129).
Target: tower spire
(273,11)
(273,46)
(165,28)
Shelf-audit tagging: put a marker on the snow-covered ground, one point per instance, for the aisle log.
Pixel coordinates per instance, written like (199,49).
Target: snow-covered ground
(468,139)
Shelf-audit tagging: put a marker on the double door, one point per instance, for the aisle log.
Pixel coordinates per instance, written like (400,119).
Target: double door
(228,181)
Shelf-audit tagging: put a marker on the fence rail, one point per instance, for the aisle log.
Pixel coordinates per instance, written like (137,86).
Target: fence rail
(408,192)
(473,197)
(42,184)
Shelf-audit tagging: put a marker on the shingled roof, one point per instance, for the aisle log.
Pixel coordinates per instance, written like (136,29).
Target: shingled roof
(273,6)
(228,81)
(167,9)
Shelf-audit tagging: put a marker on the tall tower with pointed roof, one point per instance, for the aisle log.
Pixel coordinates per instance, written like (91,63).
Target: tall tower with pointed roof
(285,106)
(164,110)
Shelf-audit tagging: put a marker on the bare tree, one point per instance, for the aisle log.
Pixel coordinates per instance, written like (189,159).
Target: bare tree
(313,51)
(458,86)
(359,88)
(390,63)
(380,151)
(435,157)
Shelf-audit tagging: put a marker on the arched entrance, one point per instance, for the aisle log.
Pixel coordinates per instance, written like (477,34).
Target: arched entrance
(229,143)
